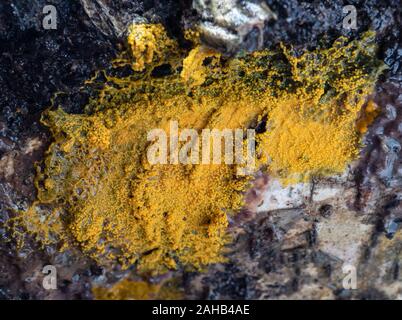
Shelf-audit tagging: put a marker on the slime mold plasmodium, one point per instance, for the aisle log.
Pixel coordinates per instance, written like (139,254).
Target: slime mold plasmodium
(137,290)
(105,197)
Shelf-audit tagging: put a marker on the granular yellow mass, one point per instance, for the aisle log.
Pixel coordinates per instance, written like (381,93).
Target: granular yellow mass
(116,207)
(136,290)
(299,146)
(144,40)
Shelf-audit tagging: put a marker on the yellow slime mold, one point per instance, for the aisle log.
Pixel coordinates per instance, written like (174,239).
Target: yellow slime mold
(136,290)
(116,207)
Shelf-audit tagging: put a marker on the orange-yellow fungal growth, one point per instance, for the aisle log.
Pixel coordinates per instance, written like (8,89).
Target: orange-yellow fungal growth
(194,72)
(297,144)
(115,206)
(145,42)
(136,290)
(370,112)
